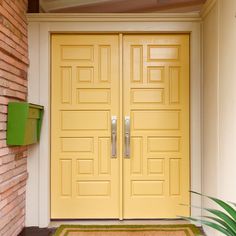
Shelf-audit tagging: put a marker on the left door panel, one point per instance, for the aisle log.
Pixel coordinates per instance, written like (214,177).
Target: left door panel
(84,97)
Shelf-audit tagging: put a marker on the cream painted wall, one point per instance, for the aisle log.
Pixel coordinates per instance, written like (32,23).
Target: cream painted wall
(210,106)
(219,101)
(227,99)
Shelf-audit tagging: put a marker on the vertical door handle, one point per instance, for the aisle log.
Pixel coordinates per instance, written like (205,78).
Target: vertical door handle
(127,137)
(113,136)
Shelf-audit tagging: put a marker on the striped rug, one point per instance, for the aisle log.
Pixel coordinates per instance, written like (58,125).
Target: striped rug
(128,230)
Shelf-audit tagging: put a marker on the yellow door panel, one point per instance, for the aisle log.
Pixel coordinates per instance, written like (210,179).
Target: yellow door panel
(85,95)
(156,98)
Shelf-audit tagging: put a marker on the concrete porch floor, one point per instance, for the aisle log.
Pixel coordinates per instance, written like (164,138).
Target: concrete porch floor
(34,231)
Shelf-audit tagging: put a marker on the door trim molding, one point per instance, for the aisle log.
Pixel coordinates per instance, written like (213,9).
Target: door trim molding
(39,29)
(113,17)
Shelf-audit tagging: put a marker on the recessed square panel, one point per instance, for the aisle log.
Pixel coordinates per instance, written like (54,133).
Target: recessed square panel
(104,155)
(163,52)
(85,167)
(66,85)
(94,188)
(155,120)
(147,96)
(136,63)
(66,177)
(147,187)
(163,144)
(77,144)
(85,120)
(98,96)
(175,171)
(156,166)
(85,74)
(155,74)
(77,52)
(174,78)
(104,63)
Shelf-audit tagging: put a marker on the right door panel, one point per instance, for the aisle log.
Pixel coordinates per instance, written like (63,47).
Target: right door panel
(156,98)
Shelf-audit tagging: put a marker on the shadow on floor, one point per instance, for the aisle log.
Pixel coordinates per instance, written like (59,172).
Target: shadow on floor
(35,231)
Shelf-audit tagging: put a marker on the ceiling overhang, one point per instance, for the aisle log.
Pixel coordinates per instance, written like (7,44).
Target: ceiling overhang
(120,6)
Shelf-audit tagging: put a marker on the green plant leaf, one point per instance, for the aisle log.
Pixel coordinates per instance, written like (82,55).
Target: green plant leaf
(211,225)
(230,210)
(221,222)
(228,220)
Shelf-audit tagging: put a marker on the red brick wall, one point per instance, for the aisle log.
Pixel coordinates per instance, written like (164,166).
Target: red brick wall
(13,86)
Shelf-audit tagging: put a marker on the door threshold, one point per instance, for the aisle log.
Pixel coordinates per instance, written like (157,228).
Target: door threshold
(57,223)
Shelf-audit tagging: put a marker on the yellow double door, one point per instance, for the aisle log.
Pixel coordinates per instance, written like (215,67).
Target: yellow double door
(119,126)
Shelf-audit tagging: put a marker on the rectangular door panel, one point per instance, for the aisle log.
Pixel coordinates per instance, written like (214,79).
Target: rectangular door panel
(156,97)
(85,94)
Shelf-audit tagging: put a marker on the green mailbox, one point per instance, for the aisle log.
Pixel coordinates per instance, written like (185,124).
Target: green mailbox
(24,123)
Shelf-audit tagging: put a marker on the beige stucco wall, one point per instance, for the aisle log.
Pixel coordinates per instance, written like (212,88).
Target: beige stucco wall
(219,101)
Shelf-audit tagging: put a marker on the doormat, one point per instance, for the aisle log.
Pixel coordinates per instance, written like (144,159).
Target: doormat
(128,230)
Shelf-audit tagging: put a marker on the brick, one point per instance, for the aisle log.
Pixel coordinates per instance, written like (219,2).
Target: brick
(5,66)
(20,170)
(3,100)
(9,218)
(13,78)
(20,156)
(19,227)
(3,125)
(14,38)
(12,93)
(4,11)
(12,182)
(16,228)
(3,143)
(11,205)
(6,230)
(13,52)
(6,176)
(8,25)
(20,162)
(3,134)
(13,44)
(8,158)
(20,7)
(19,13)
(3,117)
(10,191)
(12,61)
(13,86)
(21,190)
(9,199)
(7,167)
(4,151)
(11,35)
(3,109)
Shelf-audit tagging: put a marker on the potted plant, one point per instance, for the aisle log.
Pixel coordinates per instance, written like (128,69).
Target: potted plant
(223,220)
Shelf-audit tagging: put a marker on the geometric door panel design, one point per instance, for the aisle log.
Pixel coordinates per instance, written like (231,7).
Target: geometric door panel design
(84,178)
(86,93)
(156,95)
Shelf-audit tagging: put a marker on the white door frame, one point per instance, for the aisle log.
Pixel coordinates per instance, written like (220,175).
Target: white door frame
(39,30)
